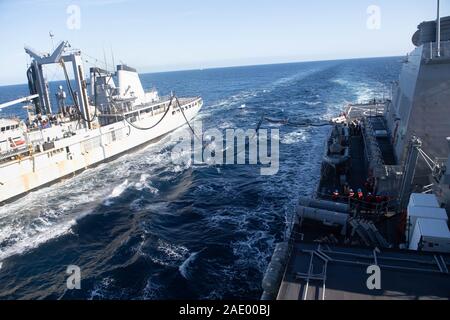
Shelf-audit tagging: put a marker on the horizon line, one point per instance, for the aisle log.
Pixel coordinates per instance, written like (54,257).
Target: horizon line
(168,70)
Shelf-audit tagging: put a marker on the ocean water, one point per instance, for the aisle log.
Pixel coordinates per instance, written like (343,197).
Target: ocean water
(142,227)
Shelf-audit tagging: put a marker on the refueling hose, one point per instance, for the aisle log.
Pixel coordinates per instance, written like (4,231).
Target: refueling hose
(187,121)
(149,128)
(288,122)
(74,98)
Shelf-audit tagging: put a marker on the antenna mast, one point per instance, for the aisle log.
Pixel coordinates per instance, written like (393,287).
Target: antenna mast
(438,29)
(104,57)
(51,37)
(113,62)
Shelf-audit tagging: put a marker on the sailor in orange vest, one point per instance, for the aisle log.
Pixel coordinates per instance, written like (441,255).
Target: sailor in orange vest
(360,195)
(370,199)
(378,199)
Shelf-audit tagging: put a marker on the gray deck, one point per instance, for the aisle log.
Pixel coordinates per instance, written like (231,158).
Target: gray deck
(332,270)
(318,272)
(358,111)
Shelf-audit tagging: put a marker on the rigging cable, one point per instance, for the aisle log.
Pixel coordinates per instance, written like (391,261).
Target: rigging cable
(185,118)
(149,128)
(74,98)
(288,122)
(258,126)
(205,145)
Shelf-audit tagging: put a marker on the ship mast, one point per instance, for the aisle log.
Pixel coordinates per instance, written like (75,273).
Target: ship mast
(438,30)
(60,56)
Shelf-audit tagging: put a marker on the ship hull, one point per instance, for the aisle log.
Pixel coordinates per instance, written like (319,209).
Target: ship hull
(73,155)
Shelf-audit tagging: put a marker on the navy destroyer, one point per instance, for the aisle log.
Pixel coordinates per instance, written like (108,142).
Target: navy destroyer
(109,114)
(383,198)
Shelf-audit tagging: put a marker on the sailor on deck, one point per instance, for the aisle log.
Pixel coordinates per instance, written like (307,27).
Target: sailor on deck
(351,194)
(61,98)
(335,195)
(360,195)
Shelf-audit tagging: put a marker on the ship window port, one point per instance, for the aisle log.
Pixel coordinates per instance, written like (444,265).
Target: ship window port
(3,129)
(55,152)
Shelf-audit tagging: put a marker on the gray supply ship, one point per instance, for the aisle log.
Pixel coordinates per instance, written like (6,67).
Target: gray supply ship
(384,195)
(111,115)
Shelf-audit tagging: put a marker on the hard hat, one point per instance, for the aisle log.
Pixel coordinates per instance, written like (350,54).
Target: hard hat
(60,87)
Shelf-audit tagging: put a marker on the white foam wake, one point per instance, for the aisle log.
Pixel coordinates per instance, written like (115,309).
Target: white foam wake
(117,192)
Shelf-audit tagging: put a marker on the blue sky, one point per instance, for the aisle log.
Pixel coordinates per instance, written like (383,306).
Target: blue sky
(175,34)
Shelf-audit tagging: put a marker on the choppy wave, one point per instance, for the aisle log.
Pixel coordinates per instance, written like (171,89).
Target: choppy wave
(52,212)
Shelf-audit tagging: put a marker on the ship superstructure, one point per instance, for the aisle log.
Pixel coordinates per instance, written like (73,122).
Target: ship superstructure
(419,105)
(382,198)
(110,114)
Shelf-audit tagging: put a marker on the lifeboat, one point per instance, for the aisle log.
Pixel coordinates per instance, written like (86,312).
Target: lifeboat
(17,143)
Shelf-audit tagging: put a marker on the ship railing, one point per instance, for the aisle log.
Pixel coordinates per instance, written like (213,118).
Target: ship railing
(376,103)
(136,111)
(372,106)
(11,116)
(360,110)
(150,110)
(430,50)
(7,155)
